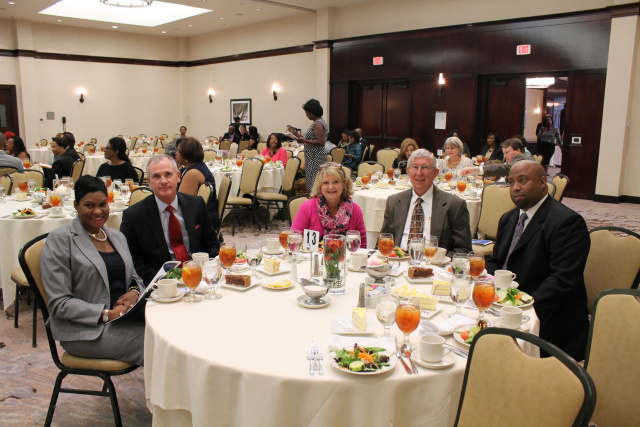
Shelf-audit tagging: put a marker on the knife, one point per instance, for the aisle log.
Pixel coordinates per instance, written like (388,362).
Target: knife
(456,350)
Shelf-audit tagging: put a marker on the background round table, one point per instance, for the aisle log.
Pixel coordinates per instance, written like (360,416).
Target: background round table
(41,155)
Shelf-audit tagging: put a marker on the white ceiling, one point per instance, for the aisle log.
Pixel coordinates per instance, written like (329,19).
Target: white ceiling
(236,13)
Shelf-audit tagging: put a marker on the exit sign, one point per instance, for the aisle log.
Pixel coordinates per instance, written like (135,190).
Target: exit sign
(524,49)
(378,60)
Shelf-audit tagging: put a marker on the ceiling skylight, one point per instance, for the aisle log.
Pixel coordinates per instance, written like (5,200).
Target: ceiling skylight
(158,13)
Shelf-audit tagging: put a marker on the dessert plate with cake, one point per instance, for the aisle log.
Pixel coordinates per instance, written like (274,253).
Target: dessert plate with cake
(239,282)
(359,324)
(417,275)
(272,267)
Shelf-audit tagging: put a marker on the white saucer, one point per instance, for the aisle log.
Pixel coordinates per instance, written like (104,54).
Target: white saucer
(157,297)
(63,215)
(446,361)
(524,327)
(445,261)
(513,285)
(302,300)
(266,252)
(356,270)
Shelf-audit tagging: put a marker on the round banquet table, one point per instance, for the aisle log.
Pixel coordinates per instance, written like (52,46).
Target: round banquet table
(41,155)
(373,202)
(240,360)
(92,162)
(16,232)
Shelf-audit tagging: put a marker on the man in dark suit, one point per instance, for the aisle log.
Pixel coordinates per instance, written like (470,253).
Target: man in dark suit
(513,150)
(168,226)
(445,215)
(548,255)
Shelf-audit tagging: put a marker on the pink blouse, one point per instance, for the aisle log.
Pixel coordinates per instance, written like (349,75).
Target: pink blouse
(281,154)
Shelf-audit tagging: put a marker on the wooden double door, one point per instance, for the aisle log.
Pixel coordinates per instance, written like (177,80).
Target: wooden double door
(8,109)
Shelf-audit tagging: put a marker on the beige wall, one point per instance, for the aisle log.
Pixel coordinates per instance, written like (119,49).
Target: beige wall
(631,177)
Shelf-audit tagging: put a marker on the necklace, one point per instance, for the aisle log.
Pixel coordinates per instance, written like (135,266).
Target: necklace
(96,236)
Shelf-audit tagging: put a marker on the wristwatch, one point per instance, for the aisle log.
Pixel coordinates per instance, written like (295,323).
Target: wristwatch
(105,316)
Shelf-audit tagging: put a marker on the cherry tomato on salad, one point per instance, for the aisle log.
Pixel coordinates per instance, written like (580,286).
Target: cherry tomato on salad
(464,335)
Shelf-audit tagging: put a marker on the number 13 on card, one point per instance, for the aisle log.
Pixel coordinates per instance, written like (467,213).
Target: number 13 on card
(310,240)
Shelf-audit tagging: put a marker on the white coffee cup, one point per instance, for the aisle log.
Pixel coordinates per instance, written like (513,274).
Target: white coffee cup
(432,348)
(439,256)
(120,204)
(273,245)
(472,193)
(167,288)
(503,278)
(511,317)
(358,260)
(200,258)
(57,211)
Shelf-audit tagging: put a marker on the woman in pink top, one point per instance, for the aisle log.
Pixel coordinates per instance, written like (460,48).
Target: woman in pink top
(275,150)
(331,210)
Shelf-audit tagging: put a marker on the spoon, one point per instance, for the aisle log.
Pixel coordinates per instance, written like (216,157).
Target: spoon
(406,351)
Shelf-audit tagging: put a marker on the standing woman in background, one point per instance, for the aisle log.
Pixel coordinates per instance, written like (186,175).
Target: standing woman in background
(548,138)
(314,139)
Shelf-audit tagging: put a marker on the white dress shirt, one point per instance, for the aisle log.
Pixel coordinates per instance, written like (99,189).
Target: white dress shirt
(427,203)
(532,211)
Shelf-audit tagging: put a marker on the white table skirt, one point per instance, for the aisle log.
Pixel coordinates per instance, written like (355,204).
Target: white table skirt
(41,155)
(16,232)
(556,159)
(240,361)
(373,203)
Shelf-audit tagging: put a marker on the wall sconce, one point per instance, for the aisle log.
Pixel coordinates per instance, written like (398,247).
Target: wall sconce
(537,110)
(211,93)
(81,93)
(441,82)
(275,89)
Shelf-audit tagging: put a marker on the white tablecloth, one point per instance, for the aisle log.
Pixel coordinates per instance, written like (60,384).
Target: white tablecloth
(240,361)
(41,155)
(93,162)
(556,159)
(373,202)
(16,232)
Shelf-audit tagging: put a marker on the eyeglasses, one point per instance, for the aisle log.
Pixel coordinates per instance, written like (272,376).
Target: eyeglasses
(330,165)
(423,168)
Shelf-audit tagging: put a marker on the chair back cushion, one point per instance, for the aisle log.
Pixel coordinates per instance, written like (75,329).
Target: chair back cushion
(338,154)
(294,206)
(210,155)
(243,145)
(561,182)
(551,188)
(223,194)
(247,154)
(261,146)
(365,167)
(205,191)
(251,170)
(386,156)
(290,171)
(32,257)
(138,194)
(495,202)
(76,170)
(225,145)
(7,182)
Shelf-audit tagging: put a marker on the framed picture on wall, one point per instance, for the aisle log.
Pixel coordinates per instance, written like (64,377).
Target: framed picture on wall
(241,108)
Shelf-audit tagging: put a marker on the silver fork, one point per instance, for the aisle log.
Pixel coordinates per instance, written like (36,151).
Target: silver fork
(310,358)
(319,358)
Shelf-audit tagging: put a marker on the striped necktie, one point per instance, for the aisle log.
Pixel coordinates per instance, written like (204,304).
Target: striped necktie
(416,229)
(516,236)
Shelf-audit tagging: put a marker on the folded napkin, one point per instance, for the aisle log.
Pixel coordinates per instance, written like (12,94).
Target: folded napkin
(339,341)
(441,273)
(446,327)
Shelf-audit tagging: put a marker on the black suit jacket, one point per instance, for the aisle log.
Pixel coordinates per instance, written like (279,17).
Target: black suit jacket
(549,261)
(73,153)
(61,167)
(142,227)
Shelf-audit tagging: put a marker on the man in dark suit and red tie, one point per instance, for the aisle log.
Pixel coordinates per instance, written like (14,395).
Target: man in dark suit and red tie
(168,226)
(546,244)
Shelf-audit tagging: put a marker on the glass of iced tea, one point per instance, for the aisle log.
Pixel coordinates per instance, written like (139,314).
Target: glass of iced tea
(107,181)
(448,176)
(102,149)
(284,232)
(462,185)
(476,264)
(26,163)
(23,186)
(227,256)
(390,173)
(110,196)
(430,248)
(407,319)
(156,149)
(55,199)
(385,244)
(365,179)
(144,150)
(239,161)
(479,158)
(483,295)
(92,150)
(191,276)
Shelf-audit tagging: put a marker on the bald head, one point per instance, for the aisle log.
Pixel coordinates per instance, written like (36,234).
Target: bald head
(527,184)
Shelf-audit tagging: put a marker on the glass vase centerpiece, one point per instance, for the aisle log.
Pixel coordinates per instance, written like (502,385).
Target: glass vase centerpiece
(335,266)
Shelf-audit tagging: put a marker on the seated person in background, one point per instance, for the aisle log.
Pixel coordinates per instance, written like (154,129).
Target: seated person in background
(275,150)
(190,156)
(62,166)
(513,152)
(353,155)
(232,134)
(524,144)
(456,133)
(344,140)
(8,134)
(492,149)
(438,214)
(89,277)
(71,143)
(454,160)
(244,134)
(118,165)
(331,210)
(7,160)
(546,244)
(183,132)
(168,226)
(407,147)
(254,138)
(15,145)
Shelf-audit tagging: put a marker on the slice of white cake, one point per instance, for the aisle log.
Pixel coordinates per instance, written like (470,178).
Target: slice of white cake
(359,318)
(425,302)
(271,265)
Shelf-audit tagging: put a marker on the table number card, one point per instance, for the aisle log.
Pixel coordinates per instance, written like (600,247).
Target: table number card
(310,240)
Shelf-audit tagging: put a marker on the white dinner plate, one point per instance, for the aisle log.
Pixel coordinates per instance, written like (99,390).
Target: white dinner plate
(266,285)
(25,217)
(392,364)
(158,298)
(283,270)
(420,281)
(344,326)
(456,335)
(446,361)
(380,256)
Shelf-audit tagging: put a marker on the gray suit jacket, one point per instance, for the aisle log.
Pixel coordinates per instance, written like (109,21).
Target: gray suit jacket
(77,282)
(449,219)
(502,169)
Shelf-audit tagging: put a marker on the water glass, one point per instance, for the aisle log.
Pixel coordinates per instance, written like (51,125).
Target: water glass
(212,274)
(460,291)
(253,255)
(396,174)
(353,241)
(31,184)
(294,242)
(3,192)
(124,191)
(386,311)
(416,250)
(460,264)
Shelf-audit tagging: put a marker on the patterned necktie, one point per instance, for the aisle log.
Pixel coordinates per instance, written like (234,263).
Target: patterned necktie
(175,237)
(516,236)
(417,221)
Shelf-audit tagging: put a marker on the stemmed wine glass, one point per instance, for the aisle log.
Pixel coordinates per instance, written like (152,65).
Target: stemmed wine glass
(3,192)
(386,312)
(227,255)
(253,255)
(396,174)
(430,247)
(460,264)
(31,185)
(483,294)
(294,241)
(124,192)
(476,264)
(460,291)
(212,274)
(385,244)
(353,241)
(284,232)
(191,276)
(407,319)
(416,250)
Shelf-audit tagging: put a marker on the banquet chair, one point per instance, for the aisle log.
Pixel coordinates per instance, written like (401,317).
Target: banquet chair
(132,143)
(142,137)
(68,364)
(93,141)
(338,154)
(26,175)
(139,194)
(140,173)
(243,145)
(293,206)
(289,154)
(365,167)
(5,170)
(174,137)
(251,171)
(7,182)
(561,181)
(161,149)
(609,358)
(164,136)
(347,171)
(82,156)
(76,169)
(537,158)
(286,189)
(20,280)
(225,145)
(613,262)
(303,164)
(43,142)
(386,156)
(205,190)
(87,148)
(553,391)
(261,146)
(223,196)
(210,155)
(397,149)
(495,202)
(551,187)
(329,158)
(366,153)
(247,154)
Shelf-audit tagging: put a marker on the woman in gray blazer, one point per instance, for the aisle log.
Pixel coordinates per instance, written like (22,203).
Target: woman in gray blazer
(90,280)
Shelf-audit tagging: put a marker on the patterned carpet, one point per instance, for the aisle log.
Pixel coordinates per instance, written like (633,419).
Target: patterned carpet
(27,374)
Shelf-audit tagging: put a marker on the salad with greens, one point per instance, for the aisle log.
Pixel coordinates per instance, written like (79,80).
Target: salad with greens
(468,336)
(512,297)
(361,359)
(174,273)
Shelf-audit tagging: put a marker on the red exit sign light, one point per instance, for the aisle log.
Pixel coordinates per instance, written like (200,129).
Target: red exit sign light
(524,49)
(378,60)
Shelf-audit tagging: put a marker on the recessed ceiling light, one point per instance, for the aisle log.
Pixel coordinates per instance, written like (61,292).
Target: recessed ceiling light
(114,26)
(221,18)
(59,20)
(164,32)
(190,25)
(258,9)
(11,2)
